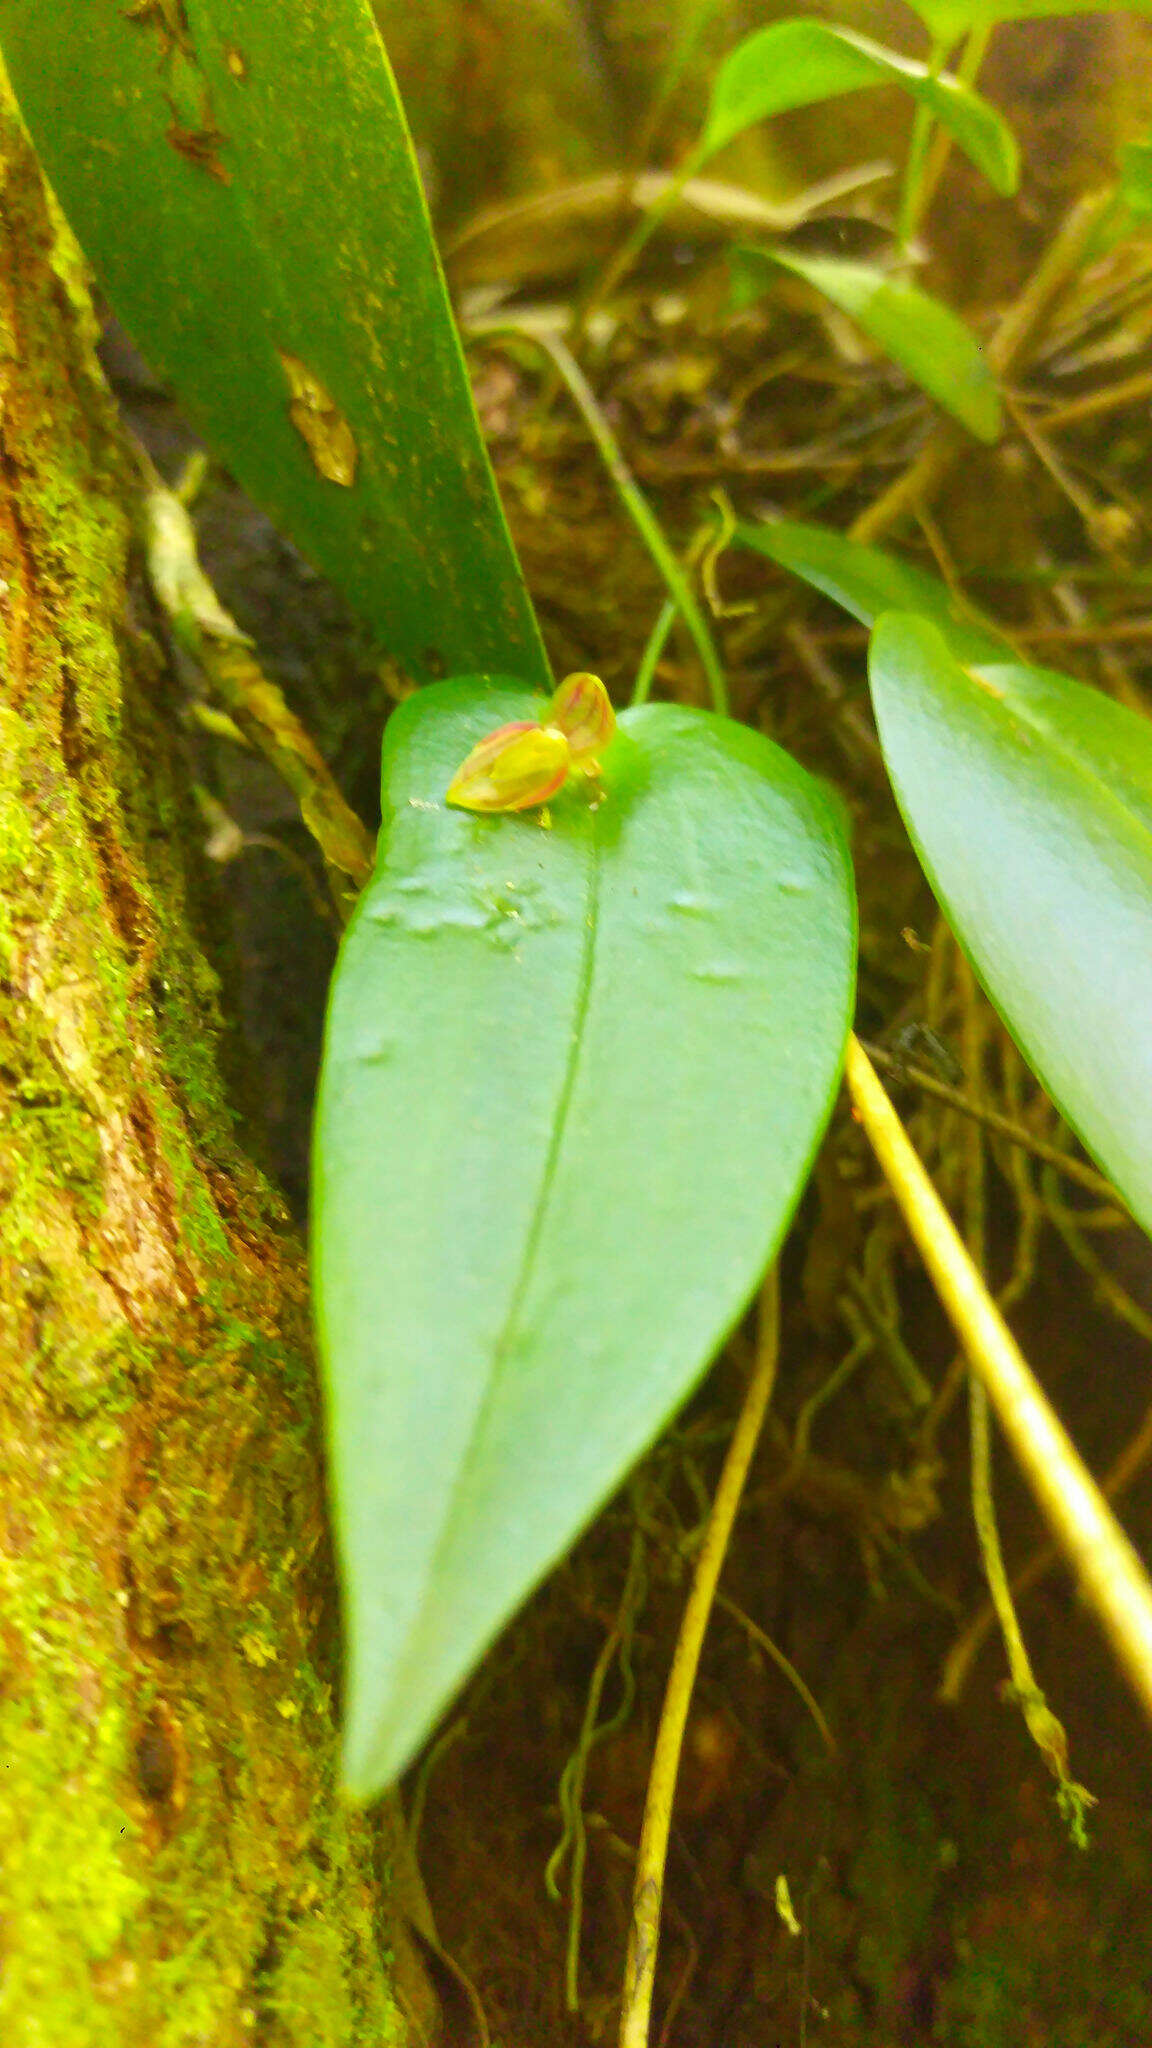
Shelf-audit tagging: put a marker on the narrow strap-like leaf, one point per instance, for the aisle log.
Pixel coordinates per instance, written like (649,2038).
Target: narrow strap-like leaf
(868,580)
(948,20)
(241,178)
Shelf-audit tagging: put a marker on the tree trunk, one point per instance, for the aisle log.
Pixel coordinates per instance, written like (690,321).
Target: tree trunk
(176,1865)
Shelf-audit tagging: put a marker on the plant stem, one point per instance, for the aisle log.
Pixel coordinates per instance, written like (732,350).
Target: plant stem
(574,1840)
(1004,1126)
(1113,1578)
(692,30)
(618,265)
(961,1657)
(260,708)
(764,1641)
(644,1935)
(633,499)
(918,196)
(653,649)
(1042,1724)
(912,190)
(199,621)
(1065,255)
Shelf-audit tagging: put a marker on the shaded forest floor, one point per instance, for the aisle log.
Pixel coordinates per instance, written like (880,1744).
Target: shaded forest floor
(933,1893)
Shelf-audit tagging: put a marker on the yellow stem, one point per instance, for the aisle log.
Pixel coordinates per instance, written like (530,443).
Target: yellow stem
(1114,1581)
(644,1935)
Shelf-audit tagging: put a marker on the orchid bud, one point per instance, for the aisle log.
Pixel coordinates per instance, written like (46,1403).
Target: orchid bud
(582,710)
(513,769)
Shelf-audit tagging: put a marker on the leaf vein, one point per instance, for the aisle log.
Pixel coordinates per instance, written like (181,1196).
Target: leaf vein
(507,1334)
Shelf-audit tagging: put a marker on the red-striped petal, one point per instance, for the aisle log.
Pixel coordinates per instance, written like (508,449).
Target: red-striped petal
(513,769)
(582,710)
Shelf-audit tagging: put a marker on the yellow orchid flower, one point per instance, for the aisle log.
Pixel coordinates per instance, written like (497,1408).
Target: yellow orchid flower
(582,709)
(521,765)
(513,769)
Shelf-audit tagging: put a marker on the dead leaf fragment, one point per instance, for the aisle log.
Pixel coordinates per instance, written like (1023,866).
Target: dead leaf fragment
(319,422)
(167,19)
(199,146)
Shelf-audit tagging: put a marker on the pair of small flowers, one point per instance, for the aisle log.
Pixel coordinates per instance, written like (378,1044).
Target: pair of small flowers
(524,764)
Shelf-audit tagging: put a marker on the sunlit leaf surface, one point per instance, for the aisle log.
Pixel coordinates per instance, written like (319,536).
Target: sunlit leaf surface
(576,1068)
(1029,800)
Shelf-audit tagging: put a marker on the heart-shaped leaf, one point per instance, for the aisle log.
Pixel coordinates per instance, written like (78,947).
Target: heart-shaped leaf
(240,176)
(1028,798)
(926,338)
(867,581)
(575,1073)
(794,63)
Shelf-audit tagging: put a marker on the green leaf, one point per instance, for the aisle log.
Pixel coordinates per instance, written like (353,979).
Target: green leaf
(573,1082)
(867,581)
(1136,175)
(793,63)
(948,20)
(1028,798)
(938,351)
(240,175)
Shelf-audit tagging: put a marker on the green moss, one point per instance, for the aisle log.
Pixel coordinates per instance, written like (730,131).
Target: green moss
(50,1141)
(65,1829)
(309,1955)
(61,1144)
(177,1865)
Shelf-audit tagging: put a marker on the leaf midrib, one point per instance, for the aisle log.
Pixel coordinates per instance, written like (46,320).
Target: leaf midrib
(586,978)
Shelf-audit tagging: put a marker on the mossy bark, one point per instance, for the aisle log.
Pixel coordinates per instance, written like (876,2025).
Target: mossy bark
(175,1864)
